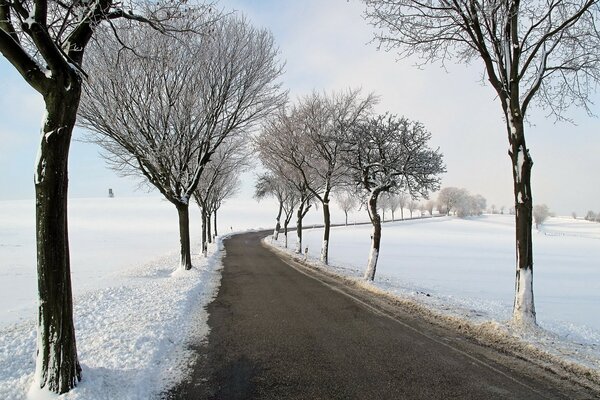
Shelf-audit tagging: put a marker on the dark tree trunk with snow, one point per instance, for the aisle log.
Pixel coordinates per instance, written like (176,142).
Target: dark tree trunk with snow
(346,214)
(57,366)
(327,223)
(208,228)
(375,238)
(215,221)
(299,217)
(204,217)
(184,236)
(524,308)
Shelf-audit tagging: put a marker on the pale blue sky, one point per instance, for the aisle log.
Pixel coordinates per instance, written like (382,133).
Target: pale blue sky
(325,46)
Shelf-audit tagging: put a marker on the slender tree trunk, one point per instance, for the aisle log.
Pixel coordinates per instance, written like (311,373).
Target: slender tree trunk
(278,224)
(57,365)
(393,219)
(346,213)
(204,216)
(375,238)
(327,223)
(299,229)
(184,235)
(208,227)
(402,213)
(215,217)
(524,308)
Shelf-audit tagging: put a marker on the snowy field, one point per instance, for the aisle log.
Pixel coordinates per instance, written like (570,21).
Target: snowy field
(465,268)
(132,315)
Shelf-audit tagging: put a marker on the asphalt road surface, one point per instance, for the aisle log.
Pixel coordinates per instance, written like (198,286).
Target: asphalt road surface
(279,331)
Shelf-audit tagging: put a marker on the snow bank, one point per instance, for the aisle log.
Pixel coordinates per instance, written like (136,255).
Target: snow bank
(462,270)
(132,336)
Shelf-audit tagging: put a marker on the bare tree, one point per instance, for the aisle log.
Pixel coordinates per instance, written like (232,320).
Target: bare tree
(449,198)
(395,201)
(590,216)
(541,212)
(539,50)
(163,115)
(314,145)
(268,185)
(412,206)
(219,180)
(45,41)
(387,154)
(281,147)
(429,206)
(347,202)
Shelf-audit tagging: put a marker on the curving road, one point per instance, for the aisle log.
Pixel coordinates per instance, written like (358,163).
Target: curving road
(279,331)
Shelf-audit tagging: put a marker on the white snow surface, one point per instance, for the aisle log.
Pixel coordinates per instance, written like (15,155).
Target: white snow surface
(465,269)
(135,311)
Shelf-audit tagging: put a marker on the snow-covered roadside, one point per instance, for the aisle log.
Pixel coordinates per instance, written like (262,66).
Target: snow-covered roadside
(477,318)
(131,337)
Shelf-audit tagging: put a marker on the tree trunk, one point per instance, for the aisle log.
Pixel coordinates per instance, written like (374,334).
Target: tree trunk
(393,219)
(278,224)
(299,229)
(327,223)
(346,213)
(208,228)
(402,213)
(375,238)
(184,236)
(57,367)
(524,308)
(215,217)
(204,216)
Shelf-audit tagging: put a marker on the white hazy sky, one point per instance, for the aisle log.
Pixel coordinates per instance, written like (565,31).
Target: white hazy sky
(325,45)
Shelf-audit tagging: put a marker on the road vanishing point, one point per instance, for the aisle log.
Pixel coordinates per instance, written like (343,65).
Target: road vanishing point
(279,330)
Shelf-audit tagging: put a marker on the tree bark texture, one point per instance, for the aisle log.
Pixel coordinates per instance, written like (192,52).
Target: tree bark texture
(299,218)
(524,307)
(327,224)
(204,216)
(57,365)
(208,228)
(215,221)
(184,236)
(278,222)
(375,238)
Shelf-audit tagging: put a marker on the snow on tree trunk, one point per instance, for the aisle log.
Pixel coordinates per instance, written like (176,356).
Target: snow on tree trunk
(327,223)
(375,238)
(524,308)
(278,222)
(299,231)
(208,228)
(215,220)
(57,366)
(184,236)
(204,231)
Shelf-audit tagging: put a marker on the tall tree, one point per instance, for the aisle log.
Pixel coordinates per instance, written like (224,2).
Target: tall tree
(219,181)
(163,110)
(282,149)
(387,154)
(537,50)
(45,41)
(310,139)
